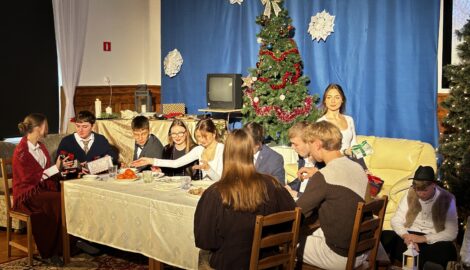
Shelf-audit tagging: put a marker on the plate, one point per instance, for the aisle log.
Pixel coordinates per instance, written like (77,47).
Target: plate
(126,180)
(90,176)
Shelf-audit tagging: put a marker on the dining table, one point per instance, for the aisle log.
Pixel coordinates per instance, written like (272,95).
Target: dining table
(154,219)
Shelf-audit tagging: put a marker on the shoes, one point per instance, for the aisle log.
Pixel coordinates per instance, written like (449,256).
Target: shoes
(87,248)
(53,261)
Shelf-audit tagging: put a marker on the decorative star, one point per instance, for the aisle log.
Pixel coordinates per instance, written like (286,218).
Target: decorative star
(321,25)
(236,2)
(247,81)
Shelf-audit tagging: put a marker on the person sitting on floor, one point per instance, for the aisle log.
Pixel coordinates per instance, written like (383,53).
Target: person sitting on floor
(35,187)
(225,214)
(146,144)
(266,160)
(334,191)
(426,218)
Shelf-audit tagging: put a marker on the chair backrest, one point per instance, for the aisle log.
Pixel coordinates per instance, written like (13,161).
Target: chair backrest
(286,240)
(367,231)
(3,169)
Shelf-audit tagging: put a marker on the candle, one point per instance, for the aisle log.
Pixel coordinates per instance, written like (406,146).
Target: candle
(143,108)
(409,262)
(97,108)
(109,110)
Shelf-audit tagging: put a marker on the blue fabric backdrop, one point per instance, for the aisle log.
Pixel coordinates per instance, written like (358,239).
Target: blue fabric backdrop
(383,53)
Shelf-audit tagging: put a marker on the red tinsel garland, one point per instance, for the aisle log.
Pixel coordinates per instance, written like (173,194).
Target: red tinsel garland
(284,116)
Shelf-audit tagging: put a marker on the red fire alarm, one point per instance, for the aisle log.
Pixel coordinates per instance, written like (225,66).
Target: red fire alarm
(107,46)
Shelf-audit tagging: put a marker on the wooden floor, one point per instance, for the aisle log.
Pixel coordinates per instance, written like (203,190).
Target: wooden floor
(15,253)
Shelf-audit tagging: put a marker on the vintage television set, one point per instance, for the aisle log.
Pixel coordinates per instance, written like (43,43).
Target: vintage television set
(224,91)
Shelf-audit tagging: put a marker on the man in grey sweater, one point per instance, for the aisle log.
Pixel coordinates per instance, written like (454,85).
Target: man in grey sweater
(334,192)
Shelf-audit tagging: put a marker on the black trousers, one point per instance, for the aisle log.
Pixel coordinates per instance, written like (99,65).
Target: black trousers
(439,252)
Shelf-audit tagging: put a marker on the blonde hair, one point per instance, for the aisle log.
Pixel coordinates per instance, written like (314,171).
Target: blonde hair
(241,187)
(326,132)
(30,122)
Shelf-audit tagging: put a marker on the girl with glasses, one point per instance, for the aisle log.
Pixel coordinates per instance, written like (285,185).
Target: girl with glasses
(209,153)
(179,144)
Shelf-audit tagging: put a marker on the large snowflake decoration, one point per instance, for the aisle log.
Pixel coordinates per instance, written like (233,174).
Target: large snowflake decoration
(321,25)
(172,63)
(236,2)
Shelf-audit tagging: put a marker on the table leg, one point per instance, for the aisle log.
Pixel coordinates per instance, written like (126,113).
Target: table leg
(65,235)
(155,264)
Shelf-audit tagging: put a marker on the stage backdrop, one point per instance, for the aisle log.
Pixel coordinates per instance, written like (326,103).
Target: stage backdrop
(382,52)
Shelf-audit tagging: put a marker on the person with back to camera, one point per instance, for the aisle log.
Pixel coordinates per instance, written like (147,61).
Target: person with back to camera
(35,187)
(333,192)
(85,144)
(209,152)
(225,214)
(146,144)
(266,160)
(426,218)
(180,142)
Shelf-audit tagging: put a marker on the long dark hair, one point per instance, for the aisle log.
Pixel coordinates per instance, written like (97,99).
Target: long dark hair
(340,91)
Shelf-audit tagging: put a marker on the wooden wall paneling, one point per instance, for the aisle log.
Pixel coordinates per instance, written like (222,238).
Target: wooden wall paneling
(122,99)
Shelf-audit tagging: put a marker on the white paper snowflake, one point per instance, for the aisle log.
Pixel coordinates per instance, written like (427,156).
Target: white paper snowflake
(236,2)
(321,25)
(172,63)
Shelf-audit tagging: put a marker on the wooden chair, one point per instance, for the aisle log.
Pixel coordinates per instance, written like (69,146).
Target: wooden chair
(366,234)
(17,215)
(287,240)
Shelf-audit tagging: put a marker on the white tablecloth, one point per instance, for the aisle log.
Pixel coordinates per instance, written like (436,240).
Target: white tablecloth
(134,217)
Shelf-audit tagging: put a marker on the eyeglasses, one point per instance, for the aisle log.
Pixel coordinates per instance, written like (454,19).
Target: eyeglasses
(177,134)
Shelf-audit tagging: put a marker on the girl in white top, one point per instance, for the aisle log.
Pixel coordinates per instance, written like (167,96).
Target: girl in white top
(334,102)
(209,152)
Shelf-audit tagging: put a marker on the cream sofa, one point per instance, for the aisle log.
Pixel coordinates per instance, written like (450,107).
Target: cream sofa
(393,160)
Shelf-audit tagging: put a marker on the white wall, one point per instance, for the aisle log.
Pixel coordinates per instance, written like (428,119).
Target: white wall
(133,28)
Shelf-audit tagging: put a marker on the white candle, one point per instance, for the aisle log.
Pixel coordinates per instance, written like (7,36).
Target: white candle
(109,110)
(97,108)
(143,108)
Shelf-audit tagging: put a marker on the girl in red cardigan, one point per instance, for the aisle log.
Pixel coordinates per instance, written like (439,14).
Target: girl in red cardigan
(35,187)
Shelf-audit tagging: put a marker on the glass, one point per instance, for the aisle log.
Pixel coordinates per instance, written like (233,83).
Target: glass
(185,182)
(147,176)
(112,170)
(178,134)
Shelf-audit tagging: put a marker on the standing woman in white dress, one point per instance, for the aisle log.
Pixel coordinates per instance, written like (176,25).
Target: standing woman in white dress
(334,103)
(209,152)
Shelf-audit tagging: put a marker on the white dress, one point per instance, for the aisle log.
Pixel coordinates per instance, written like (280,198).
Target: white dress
(216,164)
(349,134)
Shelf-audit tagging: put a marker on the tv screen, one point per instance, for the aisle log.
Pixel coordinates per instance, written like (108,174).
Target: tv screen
(224,91)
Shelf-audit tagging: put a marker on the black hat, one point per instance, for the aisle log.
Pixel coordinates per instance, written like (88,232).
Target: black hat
(424,173)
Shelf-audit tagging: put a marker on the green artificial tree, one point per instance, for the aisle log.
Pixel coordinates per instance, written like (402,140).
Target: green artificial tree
(276,93)
(455,141)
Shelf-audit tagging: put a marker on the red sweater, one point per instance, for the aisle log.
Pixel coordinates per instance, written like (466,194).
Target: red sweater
(27,173)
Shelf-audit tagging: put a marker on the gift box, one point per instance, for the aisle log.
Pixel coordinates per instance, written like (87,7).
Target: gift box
(173,108)
(375,184)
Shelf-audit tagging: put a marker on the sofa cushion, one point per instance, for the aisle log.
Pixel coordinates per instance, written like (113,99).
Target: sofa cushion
(395,154)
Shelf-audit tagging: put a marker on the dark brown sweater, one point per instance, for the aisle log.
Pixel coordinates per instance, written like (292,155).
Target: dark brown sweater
(335,191)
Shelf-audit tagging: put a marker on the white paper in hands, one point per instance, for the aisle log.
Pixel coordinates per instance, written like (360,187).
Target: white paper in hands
(99,165)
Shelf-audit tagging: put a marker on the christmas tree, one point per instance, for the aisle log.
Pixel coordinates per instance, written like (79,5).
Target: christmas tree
(455,142)
(276,93)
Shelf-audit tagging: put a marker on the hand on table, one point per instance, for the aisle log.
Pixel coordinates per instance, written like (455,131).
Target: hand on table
(143,161)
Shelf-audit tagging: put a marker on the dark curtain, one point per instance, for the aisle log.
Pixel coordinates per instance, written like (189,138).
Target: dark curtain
(383,53)
(29,78)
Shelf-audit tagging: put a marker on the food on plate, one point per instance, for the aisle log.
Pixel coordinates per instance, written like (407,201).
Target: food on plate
(196,191)
(127,174)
